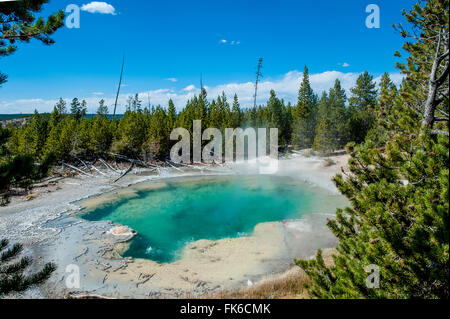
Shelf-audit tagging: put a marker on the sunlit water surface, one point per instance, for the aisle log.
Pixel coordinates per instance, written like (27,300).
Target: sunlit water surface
(209,208)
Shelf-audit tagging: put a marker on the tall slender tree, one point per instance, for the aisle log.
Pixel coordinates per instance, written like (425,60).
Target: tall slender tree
(236,112)
(102,108)
(362,105)
(388,94)
(304,114)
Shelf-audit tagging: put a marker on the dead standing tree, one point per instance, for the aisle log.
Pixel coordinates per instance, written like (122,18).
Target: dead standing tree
(429,55)
(258,76)
(118,88)
(438,87)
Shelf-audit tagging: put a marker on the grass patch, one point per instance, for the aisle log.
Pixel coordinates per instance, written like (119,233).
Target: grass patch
(288,285)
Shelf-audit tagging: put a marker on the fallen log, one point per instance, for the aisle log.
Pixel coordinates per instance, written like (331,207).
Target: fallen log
(82,162)
(174,167)
(77,169)
(100,172)
(133,161)
(108,166)
(123,175)
(49,178)
(81,297)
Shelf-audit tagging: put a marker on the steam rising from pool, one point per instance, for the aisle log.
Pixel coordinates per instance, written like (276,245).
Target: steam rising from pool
(189,209)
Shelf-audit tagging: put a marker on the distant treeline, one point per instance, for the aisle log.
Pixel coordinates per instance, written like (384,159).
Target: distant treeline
(325,124)
(13,116)
(6,117)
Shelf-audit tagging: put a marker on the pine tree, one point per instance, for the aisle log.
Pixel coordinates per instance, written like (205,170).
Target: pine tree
(214,119)
(61,107)
(12,277)
(102,108)
(83,142)
(101,136)
(19,170)
(83,109)
(324,136)
(338,115)
(171,116)
(236,113)
(304,114)
(3,79)
(225,112)
(131,132)
(37,132)
(388,93)
(286,132)
(398,221)
(157,135)
(274,111)
(133,103)
(323,140)
(75,109)
(201,108)
(59,111)
(362,104)
(61,138)
(19,24)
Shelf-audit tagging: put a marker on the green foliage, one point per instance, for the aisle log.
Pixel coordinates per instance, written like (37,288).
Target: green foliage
(304,114)
(362,104)
(3,79)
(331,131)
(19,170)
(399,214)
(61,138)
(171,116)
(324,139)
(388,93)
(102,108)
(12,277)
(236,114)
(157,135)
(19,24)
(130,134)
(145,133)
(77,109)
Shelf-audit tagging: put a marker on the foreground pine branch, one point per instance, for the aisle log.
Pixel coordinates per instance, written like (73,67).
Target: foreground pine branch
(12,277)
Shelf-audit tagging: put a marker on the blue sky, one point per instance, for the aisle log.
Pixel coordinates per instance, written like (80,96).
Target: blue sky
(169,43)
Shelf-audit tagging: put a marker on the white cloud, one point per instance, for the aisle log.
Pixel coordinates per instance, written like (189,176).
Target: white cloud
(286,87)
(233,42)
(189,88)
(99,7)
(98,93)
(345,65)
(172,79)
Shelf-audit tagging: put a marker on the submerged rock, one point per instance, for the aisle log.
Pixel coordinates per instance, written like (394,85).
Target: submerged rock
(122,231)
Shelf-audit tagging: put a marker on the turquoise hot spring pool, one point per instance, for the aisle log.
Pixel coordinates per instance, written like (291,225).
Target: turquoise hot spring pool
(188,209)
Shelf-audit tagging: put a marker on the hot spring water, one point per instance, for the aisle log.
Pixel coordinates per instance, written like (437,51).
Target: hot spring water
(212,208)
